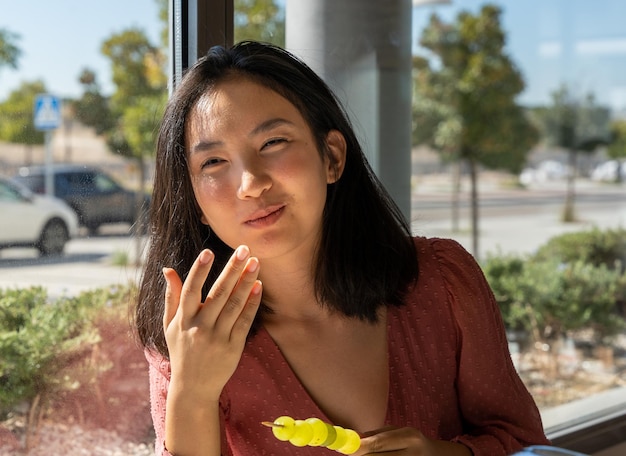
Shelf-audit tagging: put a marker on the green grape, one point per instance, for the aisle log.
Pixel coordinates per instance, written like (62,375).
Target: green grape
(353,443)
(285,429)
(303,434)
(340,439)
(315,432)
(320,431)
(332,435)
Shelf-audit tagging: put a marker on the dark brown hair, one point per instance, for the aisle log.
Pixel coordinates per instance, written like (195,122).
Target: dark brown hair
(366,257)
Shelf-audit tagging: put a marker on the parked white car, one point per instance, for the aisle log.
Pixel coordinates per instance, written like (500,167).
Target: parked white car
(29,220)
(607,171)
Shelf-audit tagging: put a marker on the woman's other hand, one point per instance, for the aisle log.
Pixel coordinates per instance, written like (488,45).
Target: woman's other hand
(407,442)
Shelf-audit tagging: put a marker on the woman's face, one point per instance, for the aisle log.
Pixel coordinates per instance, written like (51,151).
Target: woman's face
(255,169)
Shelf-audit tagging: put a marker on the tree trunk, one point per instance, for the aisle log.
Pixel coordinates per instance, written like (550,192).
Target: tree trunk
(140,211)
(569,211)
(456,190)
(32,423)
(474,204)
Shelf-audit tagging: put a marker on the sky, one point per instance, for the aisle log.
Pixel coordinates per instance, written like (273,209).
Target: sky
(581,43)
(59,38)
(578,42)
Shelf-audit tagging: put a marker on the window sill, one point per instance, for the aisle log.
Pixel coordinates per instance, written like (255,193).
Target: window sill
(588,425)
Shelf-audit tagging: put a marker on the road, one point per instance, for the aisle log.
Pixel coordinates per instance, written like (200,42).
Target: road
(517,220)
(511,221)
(88,263)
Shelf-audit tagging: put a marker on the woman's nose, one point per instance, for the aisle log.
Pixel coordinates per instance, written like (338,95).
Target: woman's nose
(253,183)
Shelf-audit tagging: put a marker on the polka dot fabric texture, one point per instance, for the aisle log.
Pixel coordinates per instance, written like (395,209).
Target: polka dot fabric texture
(450,371)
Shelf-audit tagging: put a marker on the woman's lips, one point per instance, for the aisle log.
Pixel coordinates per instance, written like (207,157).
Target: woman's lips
(265,218)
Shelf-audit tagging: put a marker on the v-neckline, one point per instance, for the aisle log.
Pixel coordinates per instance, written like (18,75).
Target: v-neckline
(263,332)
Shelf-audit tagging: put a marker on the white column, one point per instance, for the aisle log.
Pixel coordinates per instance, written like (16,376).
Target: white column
(362,49)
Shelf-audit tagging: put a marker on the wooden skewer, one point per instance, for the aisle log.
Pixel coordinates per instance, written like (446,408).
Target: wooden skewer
(272,425)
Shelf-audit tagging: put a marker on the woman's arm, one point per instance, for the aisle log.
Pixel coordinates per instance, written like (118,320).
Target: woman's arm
(205,339)
(499,412)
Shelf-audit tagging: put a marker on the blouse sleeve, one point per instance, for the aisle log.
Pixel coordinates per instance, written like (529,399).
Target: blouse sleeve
(159,375)
(159,370)
(498,411)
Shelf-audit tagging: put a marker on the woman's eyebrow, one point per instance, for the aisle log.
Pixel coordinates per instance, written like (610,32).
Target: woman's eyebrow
(270,124)
(202,146)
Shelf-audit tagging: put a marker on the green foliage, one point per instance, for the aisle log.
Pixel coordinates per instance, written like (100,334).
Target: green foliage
(571,283)
(129,118)
(16,115)
(140,120)
(464,99)
(617,145)
(37,339)
(9,52)
(92,108)
(596,247)
(130,52)
(260,20)
(572,122)
(42,341)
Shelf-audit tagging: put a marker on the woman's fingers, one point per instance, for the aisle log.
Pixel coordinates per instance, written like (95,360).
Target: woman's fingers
(243,321)
(172,295)
(231,292)
(191,292)
(232,302)
(227,300)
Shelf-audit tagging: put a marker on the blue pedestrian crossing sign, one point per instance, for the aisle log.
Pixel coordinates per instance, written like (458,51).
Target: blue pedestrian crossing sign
(47,112)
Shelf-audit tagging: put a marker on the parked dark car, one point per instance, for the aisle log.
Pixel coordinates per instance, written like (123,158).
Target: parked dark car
(94,195)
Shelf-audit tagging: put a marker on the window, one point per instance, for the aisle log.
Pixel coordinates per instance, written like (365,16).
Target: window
(568,56)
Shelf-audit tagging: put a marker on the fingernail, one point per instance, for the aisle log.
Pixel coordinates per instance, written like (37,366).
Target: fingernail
(205,256)
(242,252)
(253,264)
(257,287)
(164,271)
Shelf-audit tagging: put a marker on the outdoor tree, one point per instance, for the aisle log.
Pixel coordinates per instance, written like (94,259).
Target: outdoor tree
(261,20)
(9,52)
(140,80)
(465,98)
(576,125)
(617,146)
(16,117)
(92,108)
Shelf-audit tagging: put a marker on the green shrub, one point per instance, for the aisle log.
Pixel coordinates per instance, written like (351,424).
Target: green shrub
(595,246)
(571,283)
(37,340)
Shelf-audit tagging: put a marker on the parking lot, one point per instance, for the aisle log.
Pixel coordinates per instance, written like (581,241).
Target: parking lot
(511,221)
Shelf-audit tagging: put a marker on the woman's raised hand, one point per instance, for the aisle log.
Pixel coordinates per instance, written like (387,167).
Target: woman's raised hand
(206,339)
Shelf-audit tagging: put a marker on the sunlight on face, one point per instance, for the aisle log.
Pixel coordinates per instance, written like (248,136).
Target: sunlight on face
(255,169)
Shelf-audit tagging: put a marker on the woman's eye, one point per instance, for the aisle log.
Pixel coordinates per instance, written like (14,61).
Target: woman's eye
(212,162)
(273,142)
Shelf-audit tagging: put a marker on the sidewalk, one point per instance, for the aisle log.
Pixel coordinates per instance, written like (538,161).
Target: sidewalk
(519,230)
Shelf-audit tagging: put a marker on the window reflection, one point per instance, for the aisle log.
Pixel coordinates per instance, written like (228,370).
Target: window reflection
(536,225)
(564,118)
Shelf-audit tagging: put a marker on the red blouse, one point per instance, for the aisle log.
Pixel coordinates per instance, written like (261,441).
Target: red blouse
(450,371)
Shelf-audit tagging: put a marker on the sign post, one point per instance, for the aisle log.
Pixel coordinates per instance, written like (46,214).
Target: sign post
(47,117)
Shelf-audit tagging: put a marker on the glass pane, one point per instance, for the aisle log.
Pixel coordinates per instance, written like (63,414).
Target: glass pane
(73,380)
(558,206)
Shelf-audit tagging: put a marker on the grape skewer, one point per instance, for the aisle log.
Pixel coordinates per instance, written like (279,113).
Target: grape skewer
(314,432)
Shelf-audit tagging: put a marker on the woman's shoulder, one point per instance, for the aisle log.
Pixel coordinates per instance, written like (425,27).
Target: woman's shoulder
(439,249)
(448,264)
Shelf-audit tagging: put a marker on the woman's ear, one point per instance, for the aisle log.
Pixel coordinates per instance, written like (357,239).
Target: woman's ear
(336,158)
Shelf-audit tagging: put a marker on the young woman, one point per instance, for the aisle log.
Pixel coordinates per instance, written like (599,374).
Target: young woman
(282,280)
